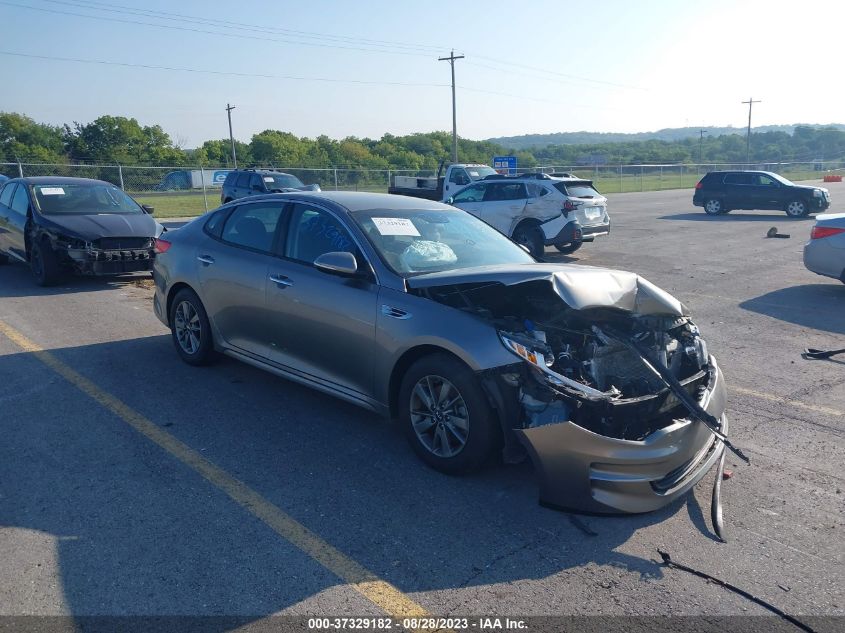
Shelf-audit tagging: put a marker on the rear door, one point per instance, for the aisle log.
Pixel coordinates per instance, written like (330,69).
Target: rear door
(739,190)
(322,325)
(503,205)
(233,273)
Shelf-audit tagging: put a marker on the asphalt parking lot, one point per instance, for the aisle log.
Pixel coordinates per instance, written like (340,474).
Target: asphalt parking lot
(133,484)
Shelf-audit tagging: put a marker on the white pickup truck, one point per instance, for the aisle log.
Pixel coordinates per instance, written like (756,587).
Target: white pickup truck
(451,177)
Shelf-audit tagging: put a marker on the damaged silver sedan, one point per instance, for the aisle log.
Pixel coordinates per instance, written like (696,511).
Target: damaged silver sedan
(423,312)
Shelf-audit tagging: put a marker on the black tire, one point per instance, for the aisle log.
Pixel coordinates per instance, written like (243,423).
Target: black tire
(530,236)
(44,264)
(194,344)
(569,248)
(714,206)
(797,209)
(481,435)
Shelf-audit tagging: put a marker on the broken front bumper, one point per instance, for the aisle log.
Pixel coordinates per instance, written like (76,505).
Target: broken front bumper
(93,261)
(587,472)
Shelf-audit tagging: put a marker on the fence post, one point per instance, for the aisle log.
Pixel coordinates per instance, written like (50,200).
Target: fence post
(642,175)
(202,180)
(20,168)
(620,178)
(120,175)
(335,178)
(660,179)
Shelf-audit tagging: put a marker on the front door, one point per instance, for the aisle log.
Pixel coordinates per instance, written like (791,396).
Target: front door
(323,325)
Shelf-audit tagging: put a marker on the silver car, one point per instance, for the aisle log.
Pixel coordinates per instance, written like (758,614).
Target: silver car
(824,254)
(422,312)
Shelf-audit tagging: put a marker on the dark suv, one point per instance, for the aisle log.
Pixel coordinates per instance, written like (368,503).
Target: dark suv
(722,191)
(252,182)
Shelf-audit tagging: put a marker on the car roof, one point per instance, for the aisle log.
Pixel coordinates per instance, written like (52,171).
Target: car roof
(61,180)
(357,200)
(252,170)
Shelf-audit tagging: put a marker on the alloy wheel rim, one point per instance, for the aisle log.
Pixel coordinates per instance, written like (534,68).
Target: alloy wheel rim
(188,328)
(439,416)
(713,206)
(795,208)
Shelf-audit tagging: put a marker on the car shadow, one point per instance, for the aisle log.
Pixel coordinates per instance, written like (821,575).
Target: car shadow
(817,306)
(736,216)
(16,281)
(137,530)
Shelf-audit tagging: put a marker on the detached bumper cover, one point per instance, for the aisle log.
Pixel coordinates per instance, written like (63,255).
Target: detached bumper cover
(111,262)
(581,470)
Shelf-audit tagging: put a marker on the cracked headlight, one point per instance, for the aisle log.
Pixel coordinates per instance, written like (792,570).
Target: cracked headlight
(527,352)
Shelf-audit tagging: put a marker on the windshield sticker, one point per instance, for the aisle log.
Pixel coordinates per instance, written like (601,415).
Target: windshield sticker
(395,226)
(268,178)
(473,174)
(52,191)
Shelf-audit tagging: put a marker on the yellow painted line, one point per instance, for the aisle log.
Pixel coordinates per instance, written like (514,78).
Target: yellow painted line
(782,400)
(378,591)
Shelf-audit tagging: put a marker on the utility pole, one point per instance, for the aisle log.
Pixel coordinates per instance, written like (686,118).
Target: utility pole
(701,134)
(451,59)
(750,102)
(229,109)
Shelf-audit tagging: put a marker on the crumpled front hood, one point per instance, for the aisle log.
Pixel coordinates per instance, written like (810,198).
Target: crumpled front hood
(580,287)
(95,226)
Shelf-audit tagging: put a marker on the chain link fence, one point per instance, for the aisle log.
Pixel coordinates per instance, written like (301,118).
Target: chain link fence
(192,190)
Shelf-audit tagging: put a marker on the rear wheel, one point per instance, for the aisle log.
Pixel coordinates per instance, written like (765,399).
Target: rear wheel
(797,209)
(44,264)
(713,206)
(566,249)
(446,416)
(531,237)
(190,328)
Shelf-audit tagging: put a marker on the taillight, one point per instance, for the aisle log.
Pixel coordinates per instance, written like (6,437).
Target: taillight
(819,232)
(569,206)
(698,185)
(162,246)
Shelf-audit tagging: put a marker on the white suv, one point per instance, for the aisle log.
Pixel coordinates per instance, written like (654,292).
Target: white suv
(537,210)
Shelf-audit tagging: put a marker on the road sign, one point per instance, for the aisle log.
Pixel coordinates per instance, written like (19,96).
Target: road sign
(505,165)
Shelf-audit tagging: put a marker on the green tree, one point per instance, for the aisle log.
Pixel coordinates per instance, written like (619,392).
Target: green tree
(121,140)
(23,139)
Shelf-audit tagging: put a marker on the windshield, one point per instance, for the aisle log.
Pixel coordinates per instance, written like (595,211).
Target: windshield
(83,199)
(281,181)
(413,242)
(477,172)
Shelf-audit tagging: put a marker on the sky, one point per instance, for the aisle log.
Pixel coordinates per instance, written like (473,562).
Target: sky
(366,68)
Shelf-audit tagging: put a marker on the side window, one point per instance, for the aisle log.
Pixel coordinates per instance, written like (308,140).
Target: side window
(459,177)
(505,191)
(536,191)
(255,182)
(253,225)
(6,194)
(214,225)
(231,177)
(20,202)
(470,194)
(765,181)
(313,232)
(243,180)
(738,179)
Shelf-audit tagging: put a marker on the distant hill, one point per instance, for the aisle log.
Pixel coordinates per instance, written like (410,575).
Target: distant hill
(528,141)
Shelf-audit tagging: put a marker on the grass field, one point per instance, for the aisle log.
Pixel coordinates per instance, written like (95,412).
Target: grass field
(184,205)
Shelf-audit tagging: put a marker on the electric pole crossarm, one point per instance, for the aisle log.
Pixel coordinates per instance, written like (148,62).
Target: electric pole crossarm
(451,59)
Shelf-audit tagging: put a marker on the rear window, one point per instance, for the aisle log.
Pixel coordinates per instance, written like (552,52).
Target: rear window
(577,189)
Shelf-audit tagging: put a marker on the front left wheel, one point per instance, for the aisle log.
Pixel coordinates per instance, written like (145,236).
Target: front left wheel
(446,416)
(44,264)
(190,328)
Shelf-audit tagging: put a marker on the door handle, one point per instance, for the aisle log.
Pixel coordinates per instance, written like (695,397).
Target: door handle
(281,281)
(205,259)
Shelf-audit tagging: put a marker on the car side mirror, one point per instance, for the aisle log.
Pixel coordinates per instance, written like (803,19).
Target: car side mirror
(450,200)
(337,263)
(148,209)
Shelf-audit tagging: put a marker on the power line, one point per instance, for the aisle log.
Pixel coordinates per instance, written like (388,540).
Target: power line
(219,72)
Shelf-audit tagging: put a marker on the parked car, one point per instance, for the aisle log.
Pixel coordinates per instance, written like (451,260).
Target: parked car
(422,312)
(63,225)
(720,192)
(824,254)
(192,179)
(3,179)
(537,210)
(255,182)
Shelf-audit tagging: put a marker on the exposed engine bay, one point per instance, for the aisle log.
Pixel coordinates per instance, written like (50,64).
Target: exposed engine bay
(584,365)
